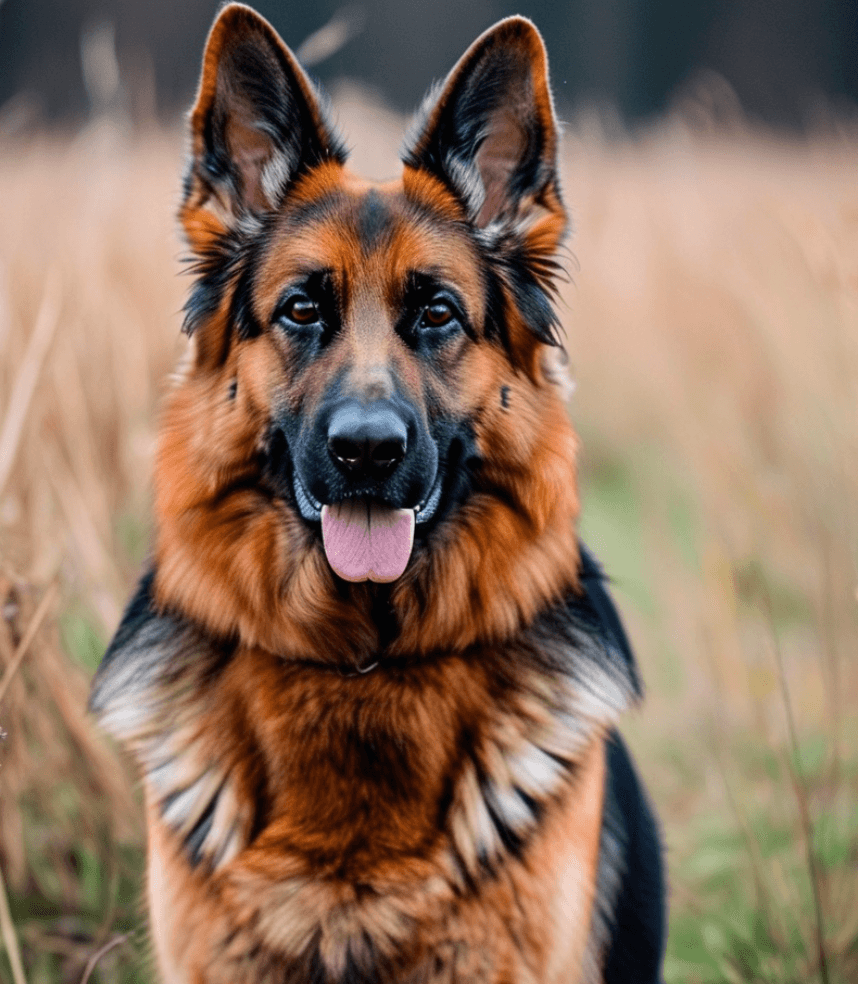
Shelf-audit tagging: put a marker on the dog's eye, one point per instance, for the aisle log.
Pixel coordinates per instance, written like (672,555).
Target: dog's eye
(300,310)
(437,314)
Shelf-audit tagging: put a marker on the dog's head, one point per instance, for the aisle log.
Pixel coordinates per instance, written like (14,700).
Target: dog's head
(369,396)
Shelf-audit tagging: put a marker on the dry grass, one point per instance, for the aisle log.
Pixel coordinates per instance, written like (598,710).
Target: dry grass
(713,331)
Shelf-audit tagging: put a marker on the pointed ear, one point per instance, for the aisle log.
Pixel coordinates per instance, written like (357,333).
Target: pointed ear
(490,135)
(257,124)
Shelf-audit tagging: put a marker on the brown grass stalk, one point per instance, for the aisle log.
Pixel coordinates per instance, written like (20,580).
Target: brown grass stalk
(10,937)
(93,960)
(28,376)
(799,785)
(766,894)
(29,635)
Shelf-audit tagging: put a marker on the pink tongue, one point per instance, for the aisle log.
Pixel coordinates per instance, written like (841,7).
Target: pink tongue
(367,542)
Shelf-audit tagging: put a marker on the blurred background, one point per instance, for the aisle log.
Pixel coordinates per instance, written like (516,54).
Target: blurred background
(786,61)
(710,164)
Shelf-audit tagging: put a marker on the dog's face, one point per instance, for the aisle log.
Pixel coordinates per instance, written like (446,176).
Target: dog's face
(368,398)
(371,309)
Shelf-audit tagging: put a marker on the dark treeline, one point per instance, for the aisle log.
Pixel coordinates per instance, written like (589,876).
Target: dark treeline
(784,59)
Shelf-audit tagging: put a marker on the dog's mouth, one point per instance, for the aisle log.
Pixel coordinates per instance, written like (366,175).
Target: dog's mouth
(365,539)
(365,536)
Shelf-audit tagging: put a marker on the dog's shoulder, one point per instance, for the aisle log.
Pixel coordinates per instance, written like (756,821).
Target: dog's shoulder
(148,645)
(136,650)
(595,599)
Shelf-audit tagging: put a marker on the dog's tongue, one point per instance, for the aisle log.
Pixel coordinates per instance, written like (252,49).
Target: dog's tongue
(367,542)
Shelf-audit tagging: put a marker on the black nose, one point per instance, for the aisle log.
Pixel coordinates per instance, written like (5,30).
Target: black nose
(367,442)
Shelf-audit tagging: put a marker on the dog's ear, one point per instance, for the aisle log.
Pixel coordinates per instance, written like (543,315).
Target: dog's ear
(490,133)
(257,124)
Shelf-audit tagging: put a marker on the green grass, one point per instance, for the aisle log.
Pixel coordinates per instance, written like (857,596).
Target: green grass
(81,637)
(741,901)
(78,897)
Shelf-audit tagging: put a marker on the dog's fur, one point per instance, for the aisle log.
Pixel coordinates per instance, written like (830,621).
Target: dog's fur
(416,781)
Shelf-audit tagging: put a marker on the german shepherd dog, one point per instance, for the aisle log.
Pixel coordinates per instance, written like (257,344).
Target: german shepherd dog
(371,677)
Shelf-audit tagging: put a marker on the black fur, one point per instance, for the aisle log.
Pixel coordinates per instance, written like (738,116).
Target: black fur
(599,607)
(215,269)
(353,972)
(139,613)
(511,277)
(374,221)
(194,840)
(531,280)
(638,920)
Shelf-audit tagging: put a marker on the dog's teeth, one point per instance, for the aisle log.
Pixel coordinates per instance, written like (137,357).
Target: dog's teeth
(307,505)
(426,509)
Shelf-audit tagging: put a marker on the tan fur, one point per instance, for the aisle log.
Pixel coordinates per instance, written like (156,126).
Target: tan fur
(530,925)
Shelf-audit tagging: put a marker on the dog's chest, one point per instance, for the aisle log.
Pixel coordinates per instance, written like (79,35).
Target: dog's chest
(354,776)
(523,919)
(388,826)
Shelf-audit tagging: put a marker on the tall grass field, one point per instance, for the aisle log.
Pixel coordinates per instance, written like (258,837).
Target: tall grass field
(711,312)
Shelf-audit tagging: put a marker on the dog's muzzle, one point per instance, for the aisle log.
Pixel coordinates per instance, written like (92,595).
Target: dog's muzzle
(366,464)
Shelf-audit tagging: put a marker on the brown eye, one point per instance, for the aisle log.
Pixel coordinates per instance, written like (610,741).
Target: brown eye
(438,314)
(300,310)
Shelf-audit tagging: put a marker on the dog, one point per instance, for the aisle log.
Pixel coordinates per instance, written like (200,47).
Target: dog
(371,677)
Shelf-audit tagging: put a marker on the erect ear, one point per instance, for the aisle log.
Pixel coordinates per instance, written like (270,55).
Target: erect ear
(490,134)
(257,124)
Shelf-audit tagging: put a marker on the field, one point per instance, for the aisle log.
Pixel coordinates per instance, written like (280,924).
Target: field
(712,320)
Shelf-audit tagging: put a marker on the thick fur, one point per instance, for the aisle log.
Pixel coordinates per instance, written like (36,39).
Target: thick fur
(415,782)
